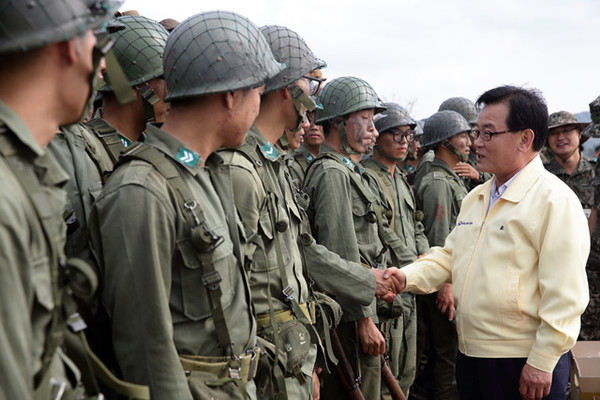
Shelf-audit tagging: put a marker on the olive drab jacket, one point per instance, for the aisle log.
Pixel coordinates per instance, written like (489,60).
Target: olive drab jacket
(406,219)
(439,196)
(32,235)
(339,219)
(152,273)
(83,157)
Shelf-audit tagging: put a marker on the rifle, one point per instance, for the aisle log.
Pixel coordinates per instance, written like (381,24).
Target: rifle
(390,381)
(344,367)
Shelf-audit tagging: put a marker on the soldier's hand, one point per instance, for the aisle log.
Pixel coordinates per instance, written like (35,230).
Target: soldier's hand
(534,383)
(466,169)
(373,342)
(386,289)
(398,277)
(445,301)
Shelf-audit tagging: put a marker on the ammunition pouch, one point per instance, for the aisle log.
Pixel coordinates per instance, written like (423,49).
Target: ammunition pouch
(389,311)
(295,345)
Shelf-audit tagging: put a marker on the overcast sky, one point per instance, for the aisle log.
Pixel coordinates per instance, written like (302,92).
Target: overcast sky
(420,52)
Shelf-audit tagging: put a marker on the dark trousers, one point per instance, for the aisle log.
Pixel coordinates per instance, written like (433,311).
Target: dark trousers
(498,378)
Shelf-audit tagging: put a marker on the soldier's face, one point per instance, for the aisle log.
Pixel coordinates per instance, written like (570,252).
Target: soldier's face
(462,142)
(246,105)
(314,135)
(394,142)
(80,86)
(360,130)
(564,140)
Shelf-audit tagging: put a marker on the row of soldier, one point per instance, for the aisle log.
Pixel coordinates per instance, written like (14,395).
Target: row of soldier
(220,260)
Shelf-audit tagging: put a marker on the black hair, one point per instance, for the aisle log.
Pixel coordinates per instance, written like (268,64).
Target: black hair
(527,110)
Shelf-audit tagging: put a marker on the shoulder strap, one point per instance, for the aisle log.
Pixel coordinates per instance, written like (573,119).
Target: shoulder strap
(202,237)
(388,191)
(250,152)
(109,137)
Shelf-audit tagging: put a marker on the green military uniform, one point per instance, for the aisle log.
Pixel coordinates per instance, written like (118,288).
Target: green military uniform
(406,223)
(82,156)
(423,167)
(154,277)
(32,240)
(298,161)
(264,198)
(578,181)
(439,196)
(338,215)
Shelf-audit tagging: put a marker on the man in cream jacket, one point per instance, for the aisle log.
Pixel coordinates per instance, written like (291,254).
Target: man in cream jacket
(516,259)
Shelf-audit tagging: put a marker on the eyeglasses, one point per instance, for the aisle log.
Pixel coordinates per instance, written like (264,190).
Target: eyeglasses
(314,84)
(487,135)
(399,135)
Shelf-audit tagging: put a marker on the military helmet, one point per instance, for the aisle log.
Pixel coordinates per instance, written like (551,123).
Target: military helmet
(139,49)
(31,24)
(593,129)
(463,106)
(419,127)
(395,115)
(289,48)
(443,125)
(216,52)
(347,94)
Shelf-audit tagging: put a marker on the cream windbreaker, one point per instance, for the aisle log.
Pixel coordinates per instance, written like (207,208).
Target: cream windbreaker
(518,274)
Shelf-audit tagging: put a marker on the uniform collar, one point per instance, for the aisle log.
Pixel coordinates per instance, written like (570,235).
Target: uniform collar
(173,148)
(15,124)
(270,152)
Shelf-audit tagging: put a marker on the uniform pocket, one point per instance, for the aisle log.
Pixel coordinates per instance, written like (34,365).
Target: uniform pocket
(196,302)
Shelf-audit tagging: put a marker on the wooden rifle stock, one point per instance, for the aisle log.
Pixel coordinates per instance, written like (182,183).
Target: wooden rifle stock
(344,367)
(390,381)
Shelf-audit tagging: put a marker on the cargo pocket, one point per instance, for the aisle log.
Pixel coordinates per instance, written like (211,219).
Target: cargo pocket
(196,302)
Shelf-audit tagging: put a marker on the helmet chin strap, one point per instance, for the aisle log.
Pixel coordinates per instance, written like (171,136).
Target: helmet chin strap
(461,157)
(149,98)
(345,146)
(386,155)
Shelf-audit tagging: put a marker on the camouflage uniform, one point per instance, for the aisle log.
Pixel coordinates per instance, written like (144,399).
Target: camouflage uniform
(578,181)
(590,320)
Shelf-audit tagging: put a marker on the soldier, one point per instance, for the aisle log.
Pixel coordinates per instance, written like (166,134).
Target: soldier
(395,127)
(414,153)
(171,254)
(439,196)
(139,50)
(468,170)
(590,320)
(48,60)
(272,215)
(342,213)
(311,140)
(568,162)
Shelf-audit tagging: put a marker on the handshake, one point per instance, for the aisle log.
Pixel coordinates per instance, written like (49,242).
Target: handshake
(390,282)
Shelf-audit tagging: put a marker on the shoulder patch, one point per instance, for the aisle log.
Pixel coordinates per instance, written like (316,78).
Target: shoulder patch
(269,151)
(187,157)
